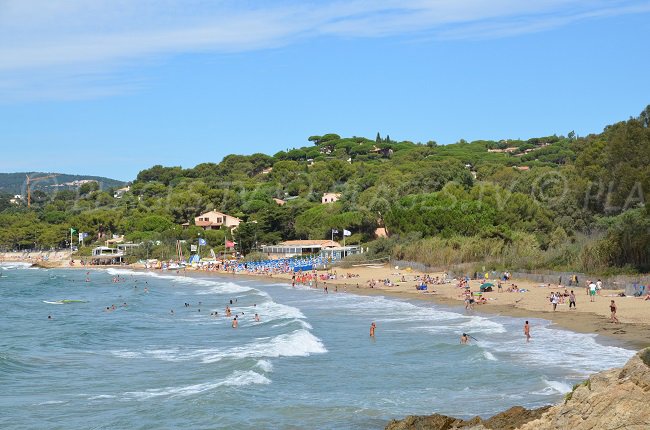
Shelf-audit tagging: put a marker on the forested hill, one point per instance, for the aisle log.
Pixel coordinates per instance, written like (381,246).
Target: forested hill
(562,202)
(15,183)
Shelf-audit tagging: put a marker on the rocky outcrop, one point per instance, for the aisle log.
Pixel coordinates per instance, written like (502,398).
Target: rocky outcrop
(614,399)
(508,420)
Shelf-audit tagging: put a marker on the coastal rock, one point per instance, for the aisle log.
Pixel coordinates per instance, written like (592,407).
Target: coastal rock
(613,399)
(508,420)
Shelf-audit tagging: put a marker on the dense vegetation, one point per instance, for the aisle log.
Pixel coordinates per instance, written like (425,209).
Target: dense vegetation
(575,203)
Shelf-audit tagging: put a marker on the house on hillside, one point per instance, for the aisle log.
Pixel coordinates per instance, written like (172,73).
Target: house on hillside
(120,192)
(330,198)
(214,220)
(384,152)
(16,200)
(279,202)
(522,168)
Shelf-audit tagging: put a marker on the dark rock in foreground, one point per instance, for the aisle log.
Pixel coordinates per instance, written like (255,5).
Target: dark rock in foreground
(508,420)
(615,399)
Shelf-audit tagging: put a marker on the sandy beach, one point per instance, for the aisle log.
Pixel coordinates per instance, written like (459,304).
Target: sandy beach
(588,317)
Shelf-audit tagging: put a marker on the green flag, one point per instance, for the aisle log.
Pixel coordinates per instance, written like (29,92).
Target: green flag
(73,231)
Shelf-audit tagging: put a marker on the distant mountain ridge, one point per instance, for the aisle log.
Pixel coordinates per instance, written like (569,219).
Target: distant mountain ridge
(15,183)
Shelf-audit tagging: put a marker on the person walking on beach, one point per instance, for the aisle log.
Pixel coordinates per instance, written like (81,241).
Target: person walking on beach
(592,292)
(527,331)
(372,329)
(554,301)
(612,308)
(572,300)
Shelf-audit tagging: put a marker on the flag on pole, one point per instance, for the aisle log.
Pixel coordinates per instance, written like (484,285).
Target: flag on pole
(335,231)
(72,231)
(202,242)
(230,244)
(347,233)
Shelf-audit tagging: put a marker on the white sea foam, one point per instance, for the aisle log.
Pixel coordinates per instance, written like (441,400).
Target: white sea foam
(488,356)
(15,265)
(236,379)
(273,311)
(265,366)
(428,319)
(300,343)
(550,347)
(51,402)
(216,286)
(553,388)
(101,397)
(126,354)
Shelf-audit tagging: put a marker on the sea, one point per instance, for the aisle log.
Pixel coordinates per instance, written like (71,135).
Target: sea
(309,363)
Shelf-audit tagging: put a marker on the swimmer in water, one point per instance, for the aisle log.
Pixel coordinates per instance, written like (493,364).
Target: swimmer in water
(372,329)
(234,322)
(464,339)
(527,331)
(257,318)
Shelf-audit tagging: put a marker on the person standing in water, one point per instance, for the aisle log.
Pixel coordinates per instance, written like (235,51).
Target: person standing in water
(464,339)
(372,329)
(527,331)
(234,322)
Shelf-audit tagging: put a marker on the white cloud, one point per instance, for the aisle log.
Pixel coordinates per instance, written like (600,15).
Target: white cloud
(56,44)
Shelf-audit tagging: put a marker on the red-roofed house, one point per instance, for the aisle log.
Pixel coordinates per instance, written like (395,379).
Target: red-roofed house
(214,220)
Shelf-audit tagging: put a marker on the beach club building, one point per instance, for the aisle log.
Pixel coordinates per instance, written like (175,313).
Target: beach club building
(104,255)
(305,248)
(214,220)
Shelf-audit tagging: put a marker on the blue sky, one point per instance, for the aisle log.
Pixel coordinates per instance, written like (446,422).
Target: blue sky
(110,87)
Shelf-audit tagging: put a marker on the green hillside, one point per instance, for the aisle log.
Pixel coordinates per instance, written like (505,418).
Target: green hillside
(562,202)
(15,183)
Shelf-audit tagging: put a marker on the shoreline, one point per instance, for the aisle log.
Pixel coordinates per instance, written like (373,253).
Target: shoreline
(634,334)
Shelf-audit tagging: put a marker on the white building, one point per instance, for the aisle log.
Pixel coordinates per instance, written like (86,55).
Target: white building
(330,198)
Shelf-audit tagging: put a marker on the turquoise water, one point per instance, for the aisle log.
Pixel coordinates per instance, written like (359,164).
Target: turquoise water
(308,364)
